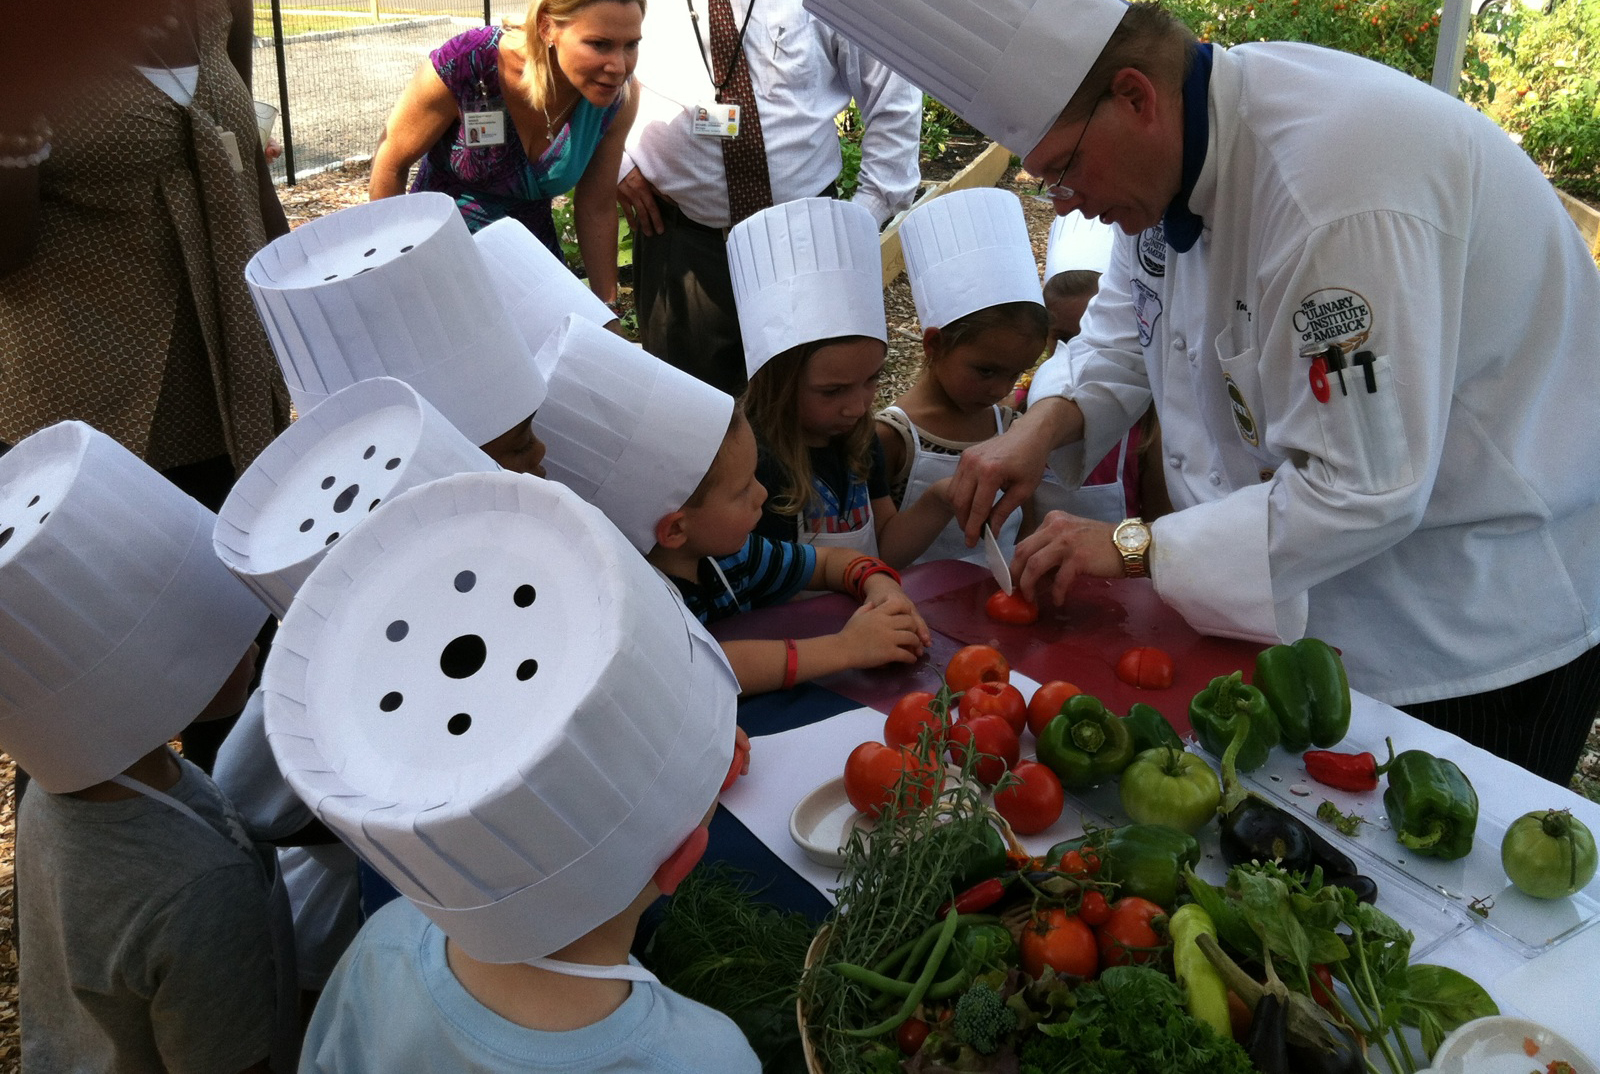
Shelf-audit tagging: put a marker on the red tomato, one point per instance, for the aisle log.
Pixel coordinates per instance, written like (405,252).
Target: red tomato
(975,664)
(909,716)
(995,742)
(1094,909)
(1045,704)
(1128,934)
(873,770)
(910,1035)
(1322,986)
(995,699)
(1011,608)
(1146,667)
(1034,801)
(1061,941)
(1080,863)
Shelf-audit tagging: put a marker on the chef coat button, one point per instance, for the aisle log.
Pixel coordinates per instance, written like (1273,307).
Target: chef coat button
(1177,343)
(1215,478)
(1175,461)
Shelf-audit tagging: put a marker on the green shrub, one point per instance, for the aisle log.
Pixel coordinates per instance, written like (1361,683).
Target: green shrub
(1400,33)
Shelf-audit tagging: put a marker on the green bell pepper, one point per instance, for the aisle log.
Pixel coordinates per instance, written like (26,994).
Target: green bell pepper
(1150,729)
(1146,860)
(1219,710)
(1431,805)
(1306,686)
(982,859)
(1085,744)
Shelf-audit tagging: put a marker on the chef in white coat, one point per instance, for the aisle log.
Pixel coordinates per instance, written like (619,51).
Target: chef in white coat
(1370,329)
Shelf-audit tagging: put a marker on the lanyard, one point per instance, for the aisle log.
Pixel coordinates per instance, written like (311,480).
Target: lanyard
(234,836)
(625,972)
(738,46)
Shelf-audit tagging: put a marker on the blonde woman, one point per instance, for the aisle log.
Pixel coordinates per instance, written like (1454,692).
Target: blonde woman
(504,119)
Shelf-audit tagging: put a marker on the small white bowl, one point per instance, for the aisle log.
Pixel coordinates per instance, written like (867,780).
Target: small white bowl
(822,822)
(1496,1045)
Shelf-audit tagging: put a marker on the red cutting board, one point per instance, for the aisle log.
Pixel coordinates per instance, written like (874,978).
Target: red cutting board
(1082,640)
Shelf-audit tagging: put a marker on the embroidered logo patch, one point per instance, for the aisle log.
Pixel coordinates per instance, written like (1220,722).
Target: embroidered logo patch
(1242,417)
(1334,315)
(1146,310)
(1153,251)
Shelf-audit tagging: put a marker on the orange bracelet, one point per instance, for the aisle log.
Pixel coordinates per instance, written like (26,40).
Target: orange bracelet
(858,570)
(791,662)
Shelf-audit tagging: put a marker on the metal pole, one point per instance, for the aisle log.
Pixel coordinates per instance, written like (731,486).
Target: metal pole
(486,16)
(283,91)
(1450,53)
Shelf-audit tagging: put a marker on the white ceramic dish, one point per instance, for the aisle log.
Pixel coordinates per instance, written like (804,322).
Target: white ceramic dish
(822,822)
(1499,1045)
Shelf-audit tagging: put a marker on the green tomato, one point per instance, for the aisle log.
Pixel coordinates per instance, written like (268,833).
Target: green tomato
(1172,787)
(1548,853)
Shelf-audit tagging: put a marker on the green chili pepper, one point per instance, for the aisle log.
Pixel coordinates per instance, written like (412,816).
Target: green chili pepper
(1085,744)
(1431,805)
(1146,860)
(1150,729)
(1306,686)
(1217,711)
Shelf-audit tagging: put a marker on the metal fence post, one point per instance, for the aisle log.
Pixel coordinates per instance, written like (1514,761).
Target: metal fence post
(487,17)
(283,91)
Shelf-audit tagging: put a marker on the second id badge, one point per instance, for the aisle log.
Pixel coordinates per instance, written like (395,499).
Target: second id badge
(716,120)
(486,127)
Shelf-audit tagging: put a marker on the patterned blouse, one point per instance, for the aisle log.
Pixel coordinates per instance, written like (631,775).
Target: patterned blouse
(495,181)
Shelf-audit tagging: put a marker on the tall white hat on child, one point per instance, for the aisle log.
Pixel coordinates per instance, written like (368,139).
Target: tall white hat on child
(118,624)
(501,707)
(805,270)
(361,446)
(967,251)
(1078,242)
(537,289)
(1007,67)
(623,429)
(395,288)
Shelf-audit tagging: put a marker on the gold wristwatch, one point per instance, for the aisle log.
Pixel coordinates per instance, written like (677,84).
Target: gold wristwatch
(1132,538)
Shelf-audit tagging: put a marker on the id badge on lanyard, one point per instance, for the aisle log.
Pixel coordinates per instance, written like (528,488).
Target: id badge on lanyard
(716,120)
(484,126)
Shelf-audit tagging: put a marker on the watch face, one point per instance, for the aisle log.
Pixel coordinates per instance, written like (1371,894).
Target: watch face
(1131,538)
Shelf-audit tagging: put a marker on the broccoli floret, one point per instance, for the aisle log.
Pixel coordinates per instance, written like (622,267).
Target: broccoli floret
(982,1018)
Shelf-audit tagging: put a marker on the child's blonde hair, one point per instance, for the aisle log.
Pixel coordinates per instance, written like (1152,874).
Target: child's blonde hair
(772,403)
(541,76)
(719,462)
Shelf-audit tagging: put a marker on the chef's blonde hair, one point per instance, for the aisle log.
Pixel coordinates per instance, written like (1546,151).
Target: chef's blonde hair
(540,76)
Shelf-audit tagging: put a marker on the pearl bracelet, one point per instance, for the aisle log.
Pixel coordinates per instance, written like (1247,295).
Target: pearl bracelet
(26,150)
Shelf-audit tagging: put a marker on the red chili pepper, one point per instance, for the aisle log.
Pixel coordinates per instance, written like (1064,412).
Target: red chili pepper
(1347,771)
(976,899)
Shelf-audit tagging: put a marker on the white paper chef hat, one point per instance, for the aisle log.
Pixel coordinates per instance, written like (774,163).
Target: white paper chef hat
(118,624)
(967,251)
(1078,242)
(1008,67)
(494,700)
(395,288)
(625,430)
(802,271)
(537,289)
(322,475)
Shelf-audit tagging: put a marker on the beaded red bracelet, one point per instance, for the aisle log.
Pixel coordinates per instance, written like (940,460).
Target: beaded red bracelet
(791,662)
(858,570)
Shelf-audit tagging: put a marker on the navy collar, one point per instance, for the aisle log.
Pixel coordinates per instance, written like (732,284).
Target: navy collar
(1182,226)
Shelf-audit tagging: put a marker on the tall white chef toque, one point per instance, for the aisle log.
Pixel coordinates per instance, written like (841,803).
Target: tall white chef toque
(625,430)
(118,624)
(395,288)
(966,251)
(537,290)
(493,698)
(802,271)
(1007,67)
(1077,242)
(322,476)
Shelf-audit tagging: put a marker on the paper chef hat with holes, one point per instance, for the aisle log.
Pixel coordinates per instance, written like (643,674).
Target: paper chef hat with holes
(967,251)
(492,697)
(802,271)
(625,430)
(322,475)
(1077,242)
(118,624)
(537,289)
(1007,67)
(395,288)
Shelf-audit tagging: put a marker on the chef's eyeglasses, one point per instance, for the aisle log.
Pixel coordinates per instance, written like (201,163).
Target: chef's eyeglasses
(1059,190)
